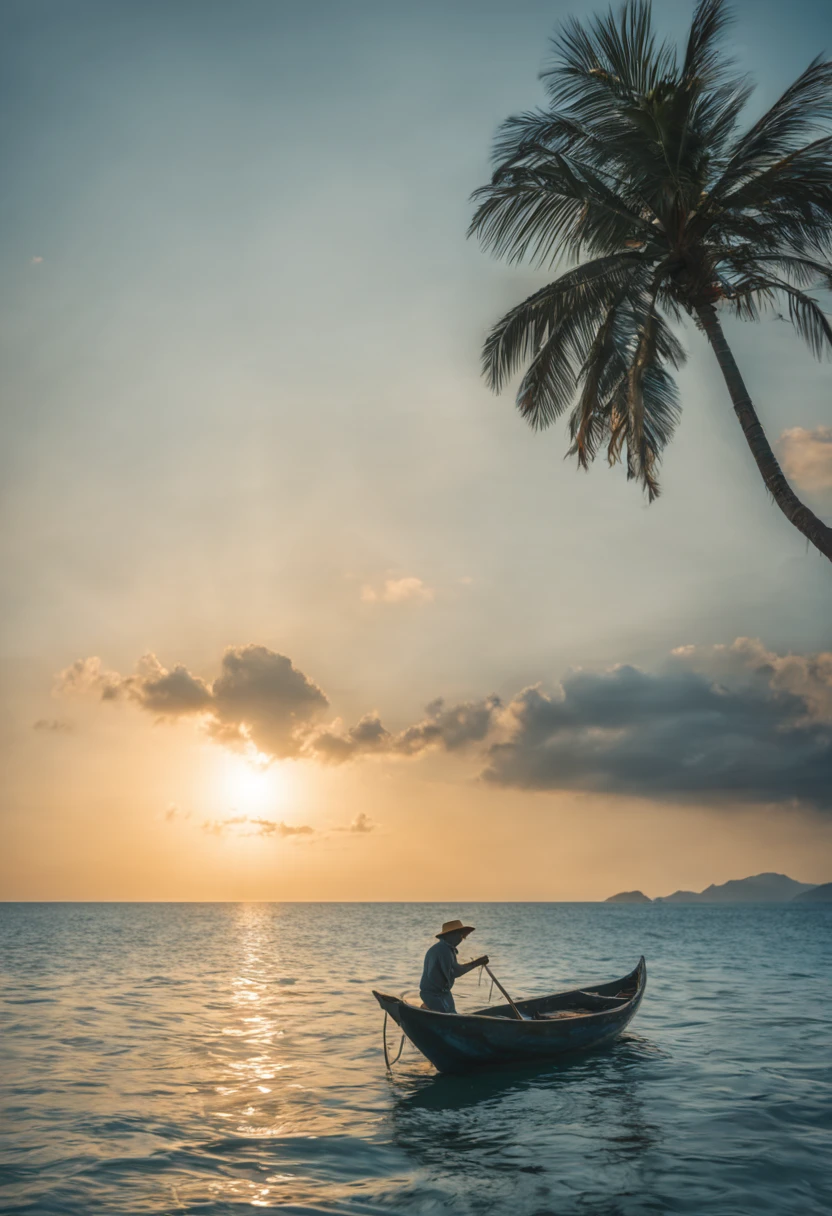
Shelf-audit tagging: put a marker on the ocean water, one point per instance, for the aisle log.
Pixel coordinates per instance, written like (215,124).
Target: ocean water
(206,1058)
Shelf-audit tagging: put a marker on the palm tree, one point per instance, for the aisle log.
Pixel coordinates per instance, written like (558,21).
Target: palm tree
(637,164)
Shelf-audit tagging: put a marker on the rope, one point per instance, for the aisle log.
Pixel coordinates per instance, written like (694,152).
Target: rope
(491,989)
(387,1059)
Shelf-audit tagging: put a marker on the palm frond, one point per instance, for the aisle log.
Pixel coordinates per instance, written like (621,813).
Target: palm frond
(801,271)
(628,398)
(544,211)
(807,317)
(544,129)
(639,453)
(603,374)
(548,386)
(662,411)
(804,231)
(704,65)
(745,304)
(715,115)
(805,314)
(611,58)
(793,119)
(522,332)
(804,272)
(801,175)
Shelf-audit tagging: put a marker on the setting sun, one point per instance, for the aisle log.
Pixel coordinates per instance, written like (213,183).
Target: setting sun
(252,787)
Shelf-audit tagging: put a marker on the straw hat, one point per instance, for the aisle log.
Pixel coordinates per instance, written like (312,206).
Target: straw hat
(455,926)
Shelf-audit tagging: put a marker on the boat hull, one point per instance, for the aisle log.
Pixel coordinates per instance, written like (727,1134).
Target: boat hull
(455,1042)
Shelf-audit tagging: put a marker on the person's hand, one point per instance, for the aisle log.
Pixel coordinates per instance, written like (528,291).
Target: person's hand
(483,961)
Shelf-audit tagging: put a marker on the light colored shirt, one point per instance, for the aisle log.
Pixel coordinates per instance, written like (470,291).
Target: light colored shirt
(441,969)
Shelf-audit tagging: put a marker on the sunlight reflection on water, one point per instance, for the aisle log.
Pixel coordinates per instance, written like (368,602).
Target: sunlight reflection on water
(199,1058)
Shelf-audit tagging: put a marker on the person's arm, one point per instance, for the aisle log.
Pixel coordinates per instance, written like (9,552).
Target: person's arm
(464,968)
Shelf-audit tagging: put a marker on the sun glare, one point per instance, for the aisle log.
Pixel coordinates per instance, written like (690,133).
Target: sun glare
(251,788)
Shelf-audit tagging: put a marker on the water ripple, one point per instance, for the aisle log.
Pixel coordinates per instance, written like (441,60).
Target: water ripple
(201,1058)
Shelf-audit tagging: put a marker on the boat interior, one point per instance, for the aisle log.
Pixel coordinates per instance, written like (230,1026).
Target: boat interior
(596,999)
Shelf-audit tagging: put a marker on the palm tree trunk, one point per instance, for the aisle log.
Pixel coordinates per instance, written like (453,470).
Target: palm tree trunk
(814,529)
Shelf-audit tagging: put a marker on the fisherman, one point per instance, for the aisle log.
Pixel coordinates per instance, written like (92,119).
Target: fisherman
(442,967)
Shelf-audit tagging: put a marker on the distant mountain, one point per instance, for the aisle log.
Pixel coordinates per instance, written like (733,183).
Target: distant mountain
(629,897)
(760,888)
(816,895)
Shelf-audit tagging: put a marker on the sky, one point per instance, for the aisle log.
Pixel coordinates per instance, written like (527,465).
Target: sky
(293,606)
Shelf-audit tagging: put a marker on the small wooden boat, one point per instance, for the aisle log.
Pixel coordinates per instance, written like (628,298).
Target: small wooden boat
(550,1026)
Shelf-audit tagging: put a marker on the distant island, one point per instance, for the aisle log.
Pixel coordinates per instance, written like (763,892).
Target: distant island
(759,888)
(816,895)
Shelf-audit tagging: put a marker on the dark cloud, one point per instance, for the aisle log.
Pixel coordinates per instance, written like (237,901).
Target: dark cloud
(452,727)
(266,694)
(172,694)
(680,735)
(722,724)
(259,699)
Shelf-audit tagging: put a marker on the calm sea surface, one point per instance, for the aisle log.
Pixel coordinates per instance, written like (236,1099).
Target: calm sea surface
(202,1058)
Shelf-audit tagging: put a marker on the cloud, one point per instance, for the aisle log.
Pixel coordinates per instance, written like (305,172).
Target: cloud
(683,734)
(262,703)
(453,728)
(89,676)
(806,676)
(359,826)
(362,823)
(263,693)
(37,260)
(233,735)
(174,813)
(258,827)
(55,725)
(369,735)
(724,724)
(806,456)
(259,699)
(397,591)
(168,694)
(268,827)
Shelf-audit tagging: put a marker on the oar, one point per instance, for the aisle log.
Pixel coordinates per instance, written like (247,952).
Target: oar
(514,1008)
